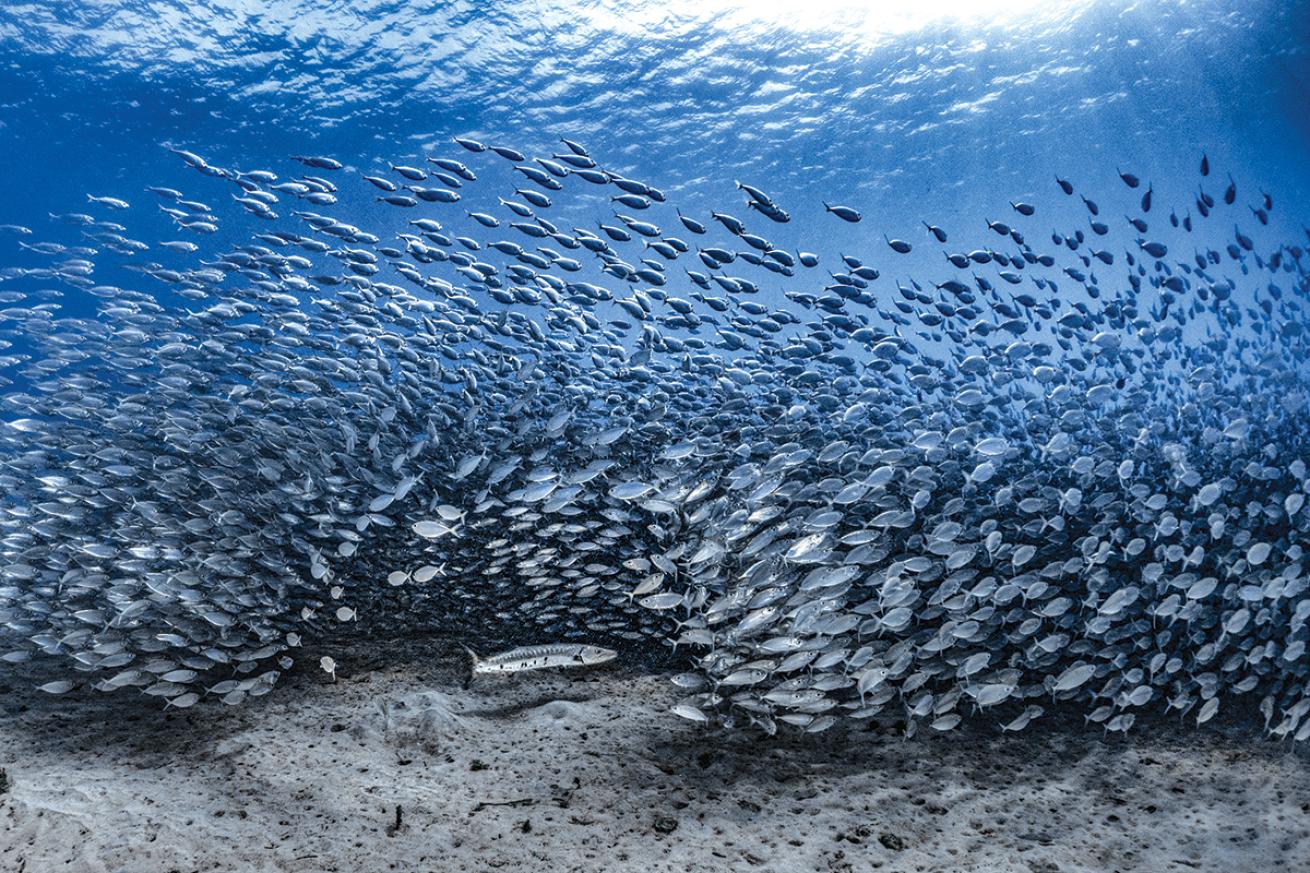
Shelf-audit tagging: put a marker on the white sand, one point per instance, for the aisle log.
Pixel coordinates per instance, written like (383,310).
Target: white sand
(545,772)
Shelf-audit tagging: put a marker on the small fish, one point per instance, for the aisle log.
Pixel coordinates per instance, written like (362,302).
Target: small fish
(318,162)
(111,202)
(845,213)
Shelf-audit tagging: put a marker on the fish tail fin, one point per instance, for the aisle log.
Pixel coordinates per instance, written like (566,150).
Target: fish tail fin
(826,206)
(474,660)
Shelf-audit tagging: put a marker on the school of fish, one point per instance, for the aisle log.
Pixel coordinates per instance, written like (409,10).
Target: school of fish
(1069,471)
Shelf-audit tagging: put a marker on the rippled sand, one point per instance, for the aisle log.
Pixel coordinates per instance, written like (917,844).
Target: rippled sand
(397,767)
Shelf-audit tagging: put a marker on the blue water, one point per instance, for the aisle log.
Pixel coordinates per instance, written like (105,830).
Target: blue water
(905,115)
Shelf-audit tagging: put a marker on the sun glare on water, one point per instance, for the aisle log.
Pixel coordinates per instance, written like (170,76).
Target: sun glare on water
(873,18)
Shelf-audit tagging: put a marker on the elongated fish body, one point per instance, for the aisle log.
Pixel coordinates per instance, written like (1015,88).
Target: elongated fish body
(540,657)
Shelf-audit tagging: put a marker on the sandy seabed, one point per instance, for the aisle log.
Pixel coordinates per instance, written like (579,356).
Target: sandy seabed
(397,767)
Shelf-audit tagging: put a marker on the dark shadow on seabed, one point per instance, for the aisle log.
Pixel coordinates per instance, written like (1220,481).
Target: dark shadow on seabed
(141,727)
